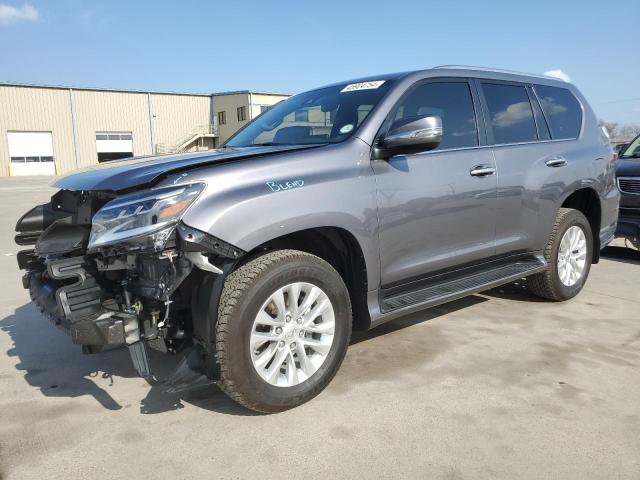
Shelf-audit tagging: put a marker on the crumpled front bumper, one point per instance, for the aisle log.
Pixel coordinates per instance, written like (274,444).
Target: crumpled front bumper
(70,297)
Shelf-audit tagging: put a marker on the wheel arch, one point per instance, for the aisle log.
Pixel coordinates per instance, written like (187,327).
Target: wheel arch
(587,201)
(338,247)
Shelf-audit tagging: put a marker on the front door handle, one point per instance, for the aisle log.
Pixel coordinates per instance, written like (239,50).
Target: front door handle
(556,162)
(482,170)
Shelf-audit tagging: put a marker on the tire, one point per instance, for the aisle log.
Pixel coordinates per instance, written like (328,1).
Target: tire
(247,292)
(549,284)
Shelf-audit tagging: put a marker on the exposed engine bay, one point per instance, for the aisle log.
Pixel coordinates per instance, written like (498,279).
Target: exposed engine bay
(123,270)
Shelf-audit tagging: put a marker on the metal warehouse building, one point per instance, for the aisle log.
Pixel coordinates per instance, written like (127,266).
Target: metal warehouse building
(47,130)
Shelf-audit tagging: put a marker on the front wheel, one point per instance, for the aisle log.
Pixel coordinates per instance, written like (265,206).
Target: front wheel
(284,324)
(568,253)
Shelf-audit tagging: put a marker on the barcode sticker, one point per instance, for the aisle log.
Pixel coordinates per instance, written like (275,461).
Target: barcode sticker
(353,87)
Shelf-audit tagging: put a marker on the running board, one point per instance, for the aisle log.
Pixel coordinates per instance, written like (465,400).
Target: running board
(461,287)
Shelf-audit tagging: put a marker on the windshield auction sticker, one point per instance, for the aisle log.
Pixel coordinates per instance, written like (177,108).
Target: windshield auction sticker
(353,87)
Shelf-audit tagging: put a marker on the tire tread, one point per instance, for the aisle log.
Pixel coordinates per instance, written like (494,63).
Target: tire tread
(235,287)
(543,284)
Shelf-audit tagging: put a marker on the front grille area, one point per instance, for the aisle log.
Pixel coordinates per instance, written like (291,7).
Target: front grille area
(624,212)
(629,185)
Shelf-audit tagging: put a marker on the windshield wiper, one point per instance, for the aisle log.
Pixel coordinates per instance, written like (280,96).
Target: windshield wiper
(278,144)
(267,144)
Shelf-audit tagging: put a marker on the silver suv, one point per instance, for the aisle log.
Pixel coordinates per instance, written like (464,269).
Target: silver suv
(342,207)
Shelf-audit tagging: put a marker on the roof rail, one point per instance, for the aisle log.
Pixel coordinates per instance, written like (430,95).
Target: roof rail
(486,69)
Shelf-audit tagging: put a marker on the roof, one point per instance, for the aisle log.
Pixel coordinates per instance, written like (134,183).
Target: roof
(457,71)
(123,90)
(472,68)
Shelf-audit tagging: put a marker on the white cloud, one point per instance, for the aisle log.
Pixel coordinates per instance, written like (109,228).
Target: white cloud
(10,14)
(515,113)
(558,74)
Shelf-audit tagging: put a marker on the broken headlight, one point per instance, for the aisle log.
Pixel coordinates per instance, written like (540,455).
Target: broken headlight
(148,216)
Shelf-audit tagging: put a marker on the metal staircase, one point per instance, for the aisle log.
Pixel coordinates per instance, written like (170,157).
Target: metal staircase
(188,141)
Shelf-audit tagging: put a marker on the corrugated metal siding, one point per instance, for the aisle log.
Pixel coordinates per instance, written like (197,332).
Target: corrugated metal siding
(111,112)
(27,108)
(33,110)
(176,116)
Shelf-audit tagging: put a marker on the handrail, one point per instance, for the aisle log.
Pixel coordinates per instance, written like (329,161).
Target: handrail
(187,139)
(207,129)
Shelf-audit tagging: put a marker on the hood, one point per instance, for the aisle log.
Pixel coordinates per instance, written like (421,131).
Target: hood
(628,168)
(134,172)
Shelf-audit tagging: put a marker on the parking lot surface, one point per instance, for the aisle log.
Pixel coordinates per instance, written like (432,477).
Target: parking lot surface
(498,385)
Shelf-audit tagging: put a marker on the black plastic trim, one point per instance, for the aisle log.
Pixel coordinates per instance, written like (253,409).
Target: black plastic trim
(194,240)
(464,285)
(439,276)
(77,308)
(27,260)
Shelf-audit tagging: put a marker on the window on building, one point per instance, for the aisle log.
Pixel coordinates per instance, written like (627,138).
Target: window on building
(510,113)
(222,118)
(31,159)
(363,112)
(114,145)
(562,110)
(302,115)
(264,108)
(452,102)
(242,113)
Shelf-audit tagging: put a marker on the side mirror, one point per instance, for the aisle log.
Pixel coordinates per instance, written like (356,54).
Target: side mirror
(410,135)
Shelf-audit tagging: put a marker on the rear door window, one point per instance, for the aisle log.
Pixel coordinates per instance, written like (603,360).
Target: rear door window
(510,113)
(562,111)
(452,102)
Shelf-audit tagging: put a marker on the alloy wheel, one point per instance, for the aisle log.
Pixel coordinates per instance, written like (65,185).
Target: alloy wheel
(572,256)
(292,334)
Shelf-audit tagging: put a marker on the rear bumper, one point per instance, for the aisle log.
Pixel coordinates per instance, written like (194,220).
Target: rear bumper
(69,297)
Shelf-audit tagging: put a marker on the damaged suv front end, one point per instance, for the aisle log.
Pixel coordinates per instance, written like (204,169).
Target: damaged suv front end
(119,269)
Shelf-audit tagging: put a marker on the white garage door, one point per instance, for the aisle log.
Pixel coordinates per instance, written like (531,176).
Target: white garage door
(31,153)
(114,145)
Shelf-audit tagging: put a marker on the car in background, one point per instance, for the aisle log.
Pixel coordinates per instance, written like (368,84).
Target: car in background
(619,148)
(628,178)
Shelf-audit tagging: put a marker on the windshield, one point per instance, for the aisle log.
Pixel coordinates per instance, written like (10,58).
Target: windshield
(326,115)
(633,150)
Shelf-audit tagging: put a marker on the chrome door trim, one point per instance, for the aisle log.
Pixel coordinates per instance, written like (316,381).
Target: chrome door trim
(482,170)
(557,161)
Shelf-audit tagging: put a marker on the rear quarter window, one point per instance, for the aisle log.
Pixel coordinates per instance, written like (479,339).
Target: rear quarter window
(562,111)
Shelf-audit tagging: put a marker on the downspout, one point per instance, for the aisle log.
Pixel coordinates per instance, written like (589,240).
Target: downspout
(152,133)
(212,112)
(212,121)
(250,106)
(74,127)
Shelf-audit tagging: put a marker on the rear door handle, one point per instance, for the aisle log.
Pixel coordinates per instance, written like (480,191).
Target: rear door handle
(482,170)
(556,162)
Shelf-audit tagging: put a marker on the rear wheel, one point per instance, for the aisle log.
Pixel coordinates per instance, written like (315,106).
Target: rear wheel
(568,253)
(283,328)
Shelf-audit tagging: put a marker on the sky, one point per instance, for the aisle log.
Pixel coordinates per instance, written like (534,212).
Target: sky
(291,46)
